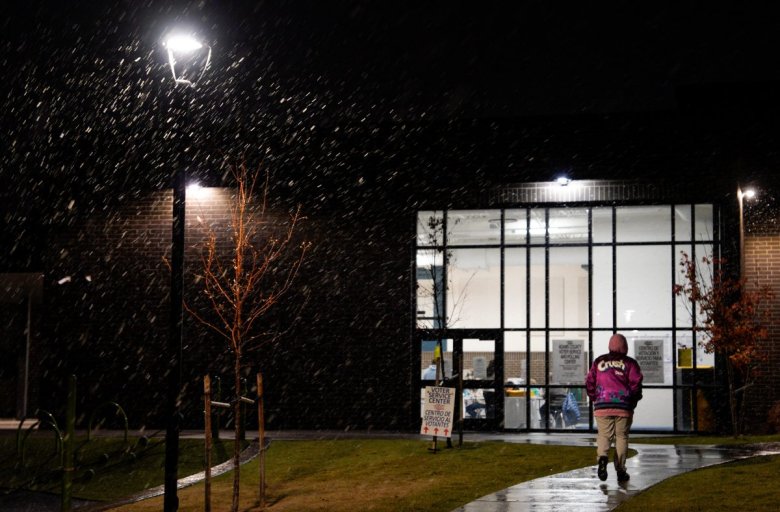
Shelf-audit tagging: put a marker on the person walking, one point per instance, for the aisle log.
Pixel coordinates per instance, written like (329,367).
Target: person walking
(614,385)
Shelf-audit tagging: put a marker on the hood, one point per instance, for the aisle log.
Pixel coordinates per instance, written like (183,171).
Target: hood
(618,344)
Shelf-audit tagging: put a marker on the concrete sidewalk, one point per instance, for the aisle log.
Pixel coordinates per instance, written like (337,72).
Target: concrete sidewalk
(580,490)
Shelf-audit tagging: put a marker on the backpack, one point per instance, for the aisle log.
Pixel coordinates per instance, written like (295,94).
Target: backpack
(570,410)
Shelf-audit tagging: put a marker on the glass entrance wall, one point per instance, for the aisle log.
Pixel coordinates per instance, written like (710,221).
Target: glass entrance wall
(557,282)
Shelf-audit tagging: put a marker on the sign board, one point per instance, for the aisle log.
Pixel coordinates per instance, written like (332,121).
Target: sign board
(568,362)
(650,356)
(438,411)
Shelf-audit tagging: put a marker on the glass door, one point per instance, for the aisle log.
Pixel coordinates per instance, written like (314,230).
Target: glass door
(466,359)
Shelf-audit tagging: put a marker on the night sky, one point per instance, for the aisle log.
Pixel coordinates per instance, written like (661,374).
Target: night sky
(365,113)
(86,92)
(418,58)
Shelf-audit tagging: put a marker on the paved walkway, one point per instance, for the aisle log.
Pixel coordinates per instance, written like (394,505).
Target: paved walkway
(578,490)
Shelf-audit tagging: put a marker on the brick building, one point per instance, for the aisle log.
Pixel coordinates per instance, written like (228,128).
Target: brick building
(355,340)
(762,268)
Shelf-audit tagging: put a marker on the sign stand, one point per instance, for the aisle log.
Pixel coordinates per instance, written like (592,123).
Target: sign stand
(438,410)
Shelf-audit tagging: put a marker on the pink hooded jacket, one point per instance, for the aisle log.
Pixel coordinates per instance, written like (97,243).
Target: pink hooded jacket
(615,380)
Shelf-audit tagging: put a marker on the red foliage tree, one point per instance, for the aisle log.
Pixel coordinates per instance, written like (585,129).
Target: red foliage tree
(733,320)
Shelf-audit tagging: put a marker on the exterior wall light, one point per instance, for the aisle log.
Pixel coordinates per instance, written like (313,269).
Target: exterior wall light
(563,181)
(748,193)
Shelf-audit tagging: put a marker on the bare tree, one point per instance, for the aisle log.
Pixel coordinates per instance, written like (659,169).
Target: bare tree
(434,287)
(241,281)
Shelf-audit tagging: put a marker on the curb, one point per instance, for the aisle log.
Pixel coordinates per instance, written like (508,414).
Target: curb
(249,453)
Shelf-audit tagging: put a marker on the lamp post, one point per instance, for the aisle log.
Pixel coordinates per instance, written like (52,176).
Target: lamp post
(741,195)
(188,59)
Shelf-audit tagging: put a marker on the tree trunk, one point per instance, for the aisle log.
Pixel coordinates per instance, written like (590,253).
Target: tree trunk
(236,430)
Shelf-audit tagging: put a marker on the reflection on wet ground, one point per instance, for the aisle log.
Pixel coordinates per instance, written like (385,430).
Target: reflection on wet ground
(580,490)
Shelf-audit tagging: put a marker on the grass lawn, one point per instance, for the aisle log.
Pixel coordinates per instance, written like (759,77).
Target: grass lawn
(108,470)
(381,475)
(716,440)
(740,485)
(737,486)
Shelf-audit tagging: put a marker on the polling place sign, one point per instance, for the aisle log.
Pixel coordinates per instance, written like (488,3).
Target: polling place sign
(568,361)
(438,411)
(650,356)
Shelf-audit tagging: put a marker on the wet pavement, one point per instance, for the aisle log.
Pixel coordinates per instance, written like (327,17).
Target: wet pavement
(580,490)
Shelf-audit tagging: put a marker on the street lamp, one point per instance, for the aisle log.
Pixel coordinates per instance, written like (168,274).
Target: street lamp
(188,59)
(748,193)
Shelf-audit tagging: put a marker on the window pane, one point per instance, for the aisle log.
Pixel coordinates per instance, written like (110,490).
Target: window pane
(515,227)
(683,310)
(474,227)
(568,287)
(519,407)
(703,359)
(430,228)
(602,225)
(430,288)
(685,406)
(643,224)
(479,359)
(537,357)
(644,289)
(428,364)
(515,279)
(682,223)
(568,358)
(568,226)
(602,287)
(655,410)
(705,227)
(687,352)
(537,227)
(653,351)
(565,408)
(537,298)
(515,361)
(600,343)
(479,403)
(474,285)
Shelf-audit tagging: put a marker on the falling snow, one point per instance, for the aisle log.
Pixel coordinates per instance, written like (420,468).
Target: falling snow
(364,115)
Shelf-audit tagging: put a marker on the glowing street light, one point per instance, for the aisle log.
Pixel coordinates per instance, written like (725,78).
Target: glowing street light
(188,59)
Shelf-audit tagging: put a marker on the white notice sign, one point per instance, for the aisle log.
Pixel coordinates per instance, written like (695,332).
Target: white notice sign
(650,356)
(568,364)
(438,410)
